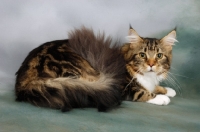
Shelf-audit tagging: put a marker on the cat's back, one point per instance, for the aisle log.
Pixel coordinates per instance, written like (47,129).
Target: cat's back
(49,49)
(48,59)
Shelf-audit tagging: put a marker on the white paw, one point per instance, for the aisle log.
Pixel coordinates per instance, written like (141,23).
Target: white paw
(160,100)
(170,92)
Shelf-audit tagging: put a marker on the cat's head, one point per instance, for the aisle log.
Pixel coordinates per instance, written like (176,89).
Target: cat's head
(145,55)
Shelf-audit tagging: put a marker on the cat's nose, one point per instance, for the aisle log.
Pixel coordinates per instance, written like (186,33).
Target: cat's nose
(151,62)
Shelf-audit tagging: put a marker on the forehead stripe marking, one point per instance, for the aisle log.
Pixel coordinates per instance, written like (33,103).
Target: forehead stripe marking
(145,49)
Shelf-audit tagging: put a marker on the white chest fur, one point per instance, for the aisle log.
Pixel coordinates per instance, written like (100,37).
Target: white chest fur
(149,80)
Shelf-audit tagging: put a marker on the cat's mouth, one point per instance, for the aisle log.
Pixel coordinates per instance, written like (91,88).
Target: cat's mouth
(154,71)
(151,70)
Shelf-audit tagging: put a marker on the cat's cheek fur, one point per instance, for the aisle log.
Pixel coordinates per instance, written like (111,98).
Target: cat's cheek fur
(159,100)
(170,92)
(149,68)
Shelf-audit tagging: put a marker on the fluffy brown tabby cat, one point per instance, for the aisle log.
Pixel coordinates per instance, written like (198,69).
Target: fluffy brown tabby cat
(89,70)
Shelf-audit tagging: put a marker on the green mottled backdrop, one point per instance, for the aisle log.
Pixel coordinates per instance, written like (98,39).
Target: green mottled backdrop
(186,62)
(25,24)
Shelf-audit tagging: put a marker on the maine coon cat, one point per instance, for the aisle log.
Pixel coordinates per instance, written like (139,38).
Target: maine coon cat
(89,70)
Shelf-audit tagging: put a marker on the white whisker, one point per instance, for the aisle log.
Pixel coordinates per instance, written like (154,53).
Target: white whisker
(139,70)
(180,75)
(173,68)
(174,82)
(173,77)
(129,82)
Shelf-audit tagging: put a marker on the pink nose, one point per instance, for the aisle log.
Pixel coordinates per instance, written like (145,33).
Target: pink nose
(151,64)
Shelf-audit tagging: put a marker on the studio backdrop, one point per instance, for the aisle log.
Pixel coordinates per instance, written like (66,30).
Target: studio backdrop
(26,24)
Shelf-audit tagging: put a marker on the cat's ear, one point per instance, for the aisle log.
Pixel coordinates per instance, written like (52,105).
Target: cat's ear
(169,40)
(133,38)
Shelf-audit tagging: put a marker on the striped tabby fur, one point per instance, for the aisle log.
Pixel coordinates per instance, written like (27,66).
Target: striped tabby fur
(89,70)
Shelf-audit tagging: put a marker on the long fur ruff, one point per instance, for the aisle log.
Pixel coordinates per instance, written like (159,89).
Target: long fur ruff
(103,54)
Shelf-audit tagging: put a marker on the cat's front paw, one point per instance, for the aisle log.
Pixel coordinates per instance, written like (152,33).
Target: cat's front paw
(160,100)
(170,92)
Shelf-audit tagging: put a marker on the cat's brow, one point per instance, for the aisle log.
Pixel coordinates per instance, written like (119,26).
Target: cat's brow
(151,44)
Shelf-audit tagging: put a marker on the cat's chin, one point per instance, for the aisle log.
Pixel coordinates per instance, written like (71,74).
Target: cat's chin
(150,71)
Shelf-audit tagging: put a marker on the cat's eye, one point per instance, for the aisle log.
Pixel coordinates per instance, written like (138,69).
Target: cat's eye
(142,55)
(159,55)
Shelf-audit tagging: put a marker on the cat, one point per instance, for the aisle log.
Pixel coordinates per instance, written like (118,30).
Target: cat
(89,70)
(148,61)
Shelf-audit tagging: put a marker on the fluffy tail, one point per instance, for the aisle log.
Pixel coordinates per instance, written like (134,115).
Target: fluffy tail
(68,93)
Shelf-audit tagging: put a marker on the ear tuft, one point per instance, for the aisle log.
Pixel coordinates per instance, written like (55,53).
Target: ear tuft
(170,39)
(133,37)
(130,27)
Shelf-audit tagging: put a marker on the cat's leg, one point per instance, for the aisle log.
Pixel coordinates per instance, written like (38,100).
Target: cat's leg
(170,92)
(166,91)
(143,95)
(159,100)
(160,90)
